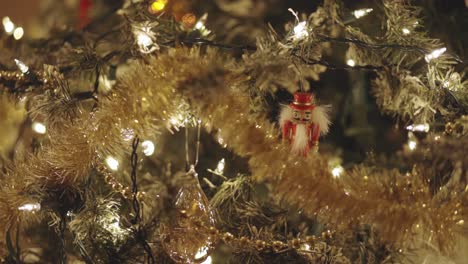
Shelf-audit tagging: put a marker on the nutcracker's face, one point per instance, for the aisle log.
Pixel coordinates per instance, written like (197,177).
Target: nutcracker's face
(302,116)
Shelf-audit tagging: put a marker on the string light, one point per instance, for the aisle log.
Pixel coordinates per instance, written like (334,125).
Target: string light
(435,54)
(419,127)
(145,37)
(362,12)
(201,253)
(406,31)
(351,62)
(300,30)
(337,171)
(21,66)
(208,260)
(412,141)
(30,207)
(305,247)
(18,33)
(112,163)
(8,25)
(220,167)
(200,25)
(39,128)
(148,147)
(157,6)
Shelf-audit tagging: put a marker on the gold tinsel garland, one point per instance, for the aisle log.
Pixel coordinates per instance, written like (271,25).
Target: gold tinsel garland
(149,95)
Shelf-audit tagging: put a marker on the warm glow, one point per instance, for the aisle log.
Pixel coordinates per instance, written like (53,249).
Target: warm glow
(148,147)
(406,31)
(39,128)
(144,40)
(362,12)
(31,207)
(158,6)
(207,260)
(418,127)
(112,163)
(23,68)
(435,54)
(351,62)
(8,25)
(200,25)
(18,33)
(201,253)
(300,31)
(412,144)
(220,167)
(337,171)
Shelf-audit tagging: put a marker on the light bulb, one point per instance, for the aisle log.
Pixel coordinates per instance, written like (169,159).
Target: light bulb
(337,171)
(362,12)
(157,6)
(419,127)
(8,25)
(220,167)
(351,62)
(208,260)
(39,128)
(435,54)
(412,144)
(31,207)
(18,33)
(112,163)
(23,68)
(202,252)
(300,30)
(406,31)
(148,147)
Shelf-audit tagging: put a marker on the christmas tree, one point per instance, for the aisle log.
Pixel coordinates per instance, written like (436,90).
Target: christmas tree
(234,131)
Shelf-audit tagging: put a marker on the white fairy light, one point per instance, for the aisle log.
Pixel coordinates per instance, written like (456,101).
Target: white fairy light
(21,66)
(144,40)
(39,128)
(337,171)
(18,33)
(220,167)
(412,141)
(208,260)
(351,62)
(435,54)
(112,163)
(419,127)
(405,31)
(200,25)
(30,207)
(8,25)
(362,12)
(412,144)
(300,30)
(148,147)
(305,246)
(145,37)
(201,253)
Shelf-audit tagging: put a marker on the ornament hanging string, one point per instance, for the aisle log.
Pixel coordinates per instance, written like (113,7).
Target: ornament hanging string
(197,149)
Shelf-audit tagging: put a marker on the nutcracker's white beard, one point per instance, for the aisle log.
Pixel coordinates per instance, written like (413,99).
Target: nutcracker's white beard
(301,138)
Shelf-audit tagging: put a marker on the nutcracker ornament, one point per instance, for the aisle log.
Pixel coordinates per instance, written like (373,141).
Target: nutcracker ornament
(302,122)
